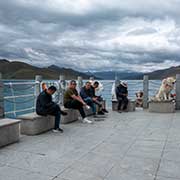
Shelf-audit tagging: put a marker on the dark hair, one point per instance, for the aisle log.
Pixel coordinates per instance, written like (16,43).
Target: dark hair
(88,82)
(52,88)
(96,83)
(72,81)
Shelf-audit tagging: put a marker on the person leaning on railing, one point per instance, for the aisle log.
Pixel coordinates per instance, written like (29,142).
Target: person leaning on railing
(45,106)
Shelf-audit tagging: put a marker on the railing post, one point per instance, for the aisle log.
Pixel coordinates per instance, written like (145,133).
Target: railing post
(178,91)
(80,83)
(1,97)
(62,86)
(37,89)
(117,81)
(145,91)
(91,78)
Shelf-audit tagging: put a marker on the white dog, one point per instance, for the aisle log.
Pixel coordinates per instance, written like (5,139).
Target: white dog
(165,89)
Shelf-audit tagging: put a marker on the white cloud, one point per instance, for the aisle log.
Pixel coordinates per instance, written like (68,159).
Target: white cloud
(92,35)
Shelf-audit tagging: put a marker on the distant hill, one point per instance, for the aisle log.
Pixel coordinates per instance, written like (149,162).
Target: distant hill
(161,74)
(110,75)
(20,70)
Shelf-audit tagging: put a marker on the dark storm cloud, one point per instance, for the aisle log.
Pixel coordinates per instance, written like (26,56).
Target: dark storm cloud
(137,35)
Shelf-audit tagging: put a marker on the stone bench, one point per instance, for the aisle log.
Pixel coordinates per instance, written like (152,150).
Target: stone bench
(33,124)
(72,116)
(131,106)
(9,131)
(162,106)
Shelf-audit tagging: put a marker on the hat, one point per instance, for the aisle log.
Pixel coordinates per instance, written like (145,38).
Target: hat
(123,83)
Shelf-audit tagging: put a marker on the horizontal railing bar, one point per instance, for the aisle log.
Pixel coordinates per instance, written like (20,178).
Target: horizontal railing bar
(22,110)
(19,96)
(19,83)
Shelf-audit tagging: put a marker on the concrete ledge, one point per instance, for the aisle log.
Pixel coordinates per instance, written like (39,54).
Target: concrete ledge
(72,116)
(9,131)
(33,124)
(131,106)
(162,106)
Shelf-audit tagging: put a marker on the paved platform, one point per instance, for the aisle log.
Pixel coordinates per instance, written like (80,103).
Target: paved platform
(128,146)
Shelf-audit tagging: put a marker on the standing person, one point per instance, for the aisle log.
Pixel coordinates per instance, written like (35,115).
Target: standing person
(122,93)
(45,106)
(74,101)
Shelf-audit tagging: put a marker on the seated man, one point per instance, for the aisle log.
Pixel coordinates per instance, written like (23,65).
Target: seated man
(87,96)
(45,106)
(98,99)
(121,94)
(74,101)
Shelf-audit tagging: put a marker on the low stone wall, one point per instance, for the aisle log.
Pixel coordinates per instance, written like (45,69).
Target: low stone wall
(9,131)
(72,116)
(162,106)
(131,106)
(33,124)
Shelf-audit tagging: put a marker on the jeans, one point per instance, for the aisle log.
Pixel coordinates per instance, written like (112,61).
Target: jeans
(57,119)
(90,102)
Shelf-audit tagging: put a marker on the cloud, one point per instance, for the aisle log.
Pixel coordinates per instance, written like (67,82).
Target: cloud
(91,35)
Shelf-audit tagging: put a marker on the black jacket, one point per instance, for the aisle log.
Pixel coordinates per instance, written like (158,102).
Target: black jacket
(120,90)
(45,105)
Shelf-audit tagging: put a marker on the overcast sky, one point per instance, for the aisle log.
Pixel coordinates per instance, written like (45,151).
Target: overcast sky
(92,35)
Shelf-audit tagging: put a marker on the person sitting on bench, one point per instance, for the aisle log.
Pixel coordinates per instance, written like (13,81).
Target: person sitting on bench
(98,99)
(45,106)
(72,100)
(121,94)
(87,96)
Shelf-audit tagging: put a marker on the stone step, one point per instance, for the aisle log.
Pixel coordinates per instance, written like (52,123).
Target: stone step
(162,106)
(33,124)
(9,131)
(131,106)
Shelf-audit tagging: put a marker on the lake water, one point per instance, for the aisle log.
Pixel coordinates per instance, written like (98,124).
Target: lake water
(28,102)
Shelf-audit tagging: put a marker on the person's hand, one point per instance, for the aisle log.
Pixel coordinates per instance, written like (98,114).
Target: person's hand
(94,98)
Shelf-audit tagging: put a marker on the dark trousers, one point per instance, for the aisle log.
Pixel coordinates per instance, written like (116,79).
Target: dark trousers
(54,110)
(122,100)
(75,104)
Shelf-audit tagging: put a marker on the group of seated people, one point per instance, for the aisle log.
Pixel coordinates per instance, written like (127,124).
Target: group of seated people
(73,100)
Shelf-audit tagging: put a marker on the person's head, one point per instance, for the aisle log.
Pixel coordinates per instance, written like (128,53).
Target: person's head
(51,90)
(72,84)
(96,84)
(88,85)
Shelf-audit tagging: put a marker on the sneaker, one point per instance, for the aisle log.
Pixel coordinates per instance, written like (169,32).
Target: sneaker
(86,120)
(58,130)
(105,111)
(100,113)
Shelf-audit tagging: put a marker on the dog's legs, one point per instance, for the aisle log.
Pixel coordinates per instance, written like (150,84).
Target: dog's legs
(165,96)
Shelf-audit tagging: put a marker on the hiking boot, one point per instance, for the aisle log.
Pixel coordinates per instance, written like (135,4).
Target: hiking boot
(105,111)
(100,113)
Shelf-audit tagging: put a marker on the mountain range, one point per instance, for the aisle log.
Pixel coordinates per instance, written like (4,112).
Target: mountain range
(21,70)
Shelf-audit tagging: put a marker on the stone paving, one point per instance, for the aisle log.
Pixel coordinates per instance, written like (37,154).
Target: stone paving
(128,146)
